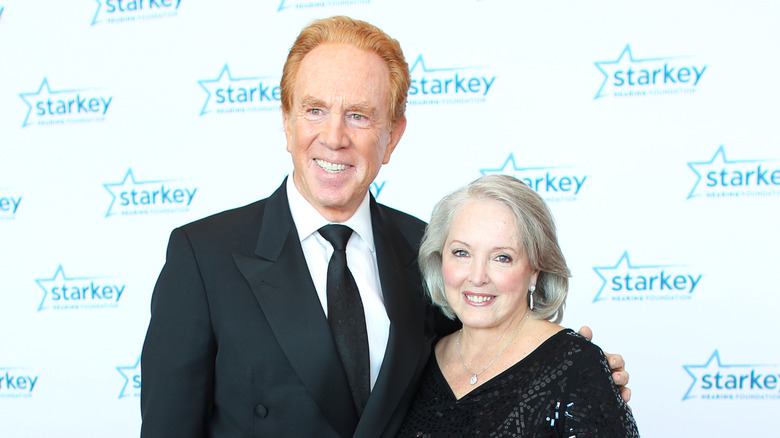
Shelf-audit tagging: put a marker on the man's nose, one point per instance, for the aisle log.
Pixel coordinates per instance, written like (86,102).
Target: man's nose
(334,133)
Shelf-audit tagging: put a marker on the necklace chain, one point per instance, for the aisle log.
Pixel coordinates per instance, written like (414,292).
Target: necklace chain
(473,379)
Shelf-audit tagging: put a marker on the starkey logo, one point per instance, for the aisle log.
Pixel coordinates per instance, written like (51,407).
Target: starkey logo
(714,380)
(627,282)
(448,85)
(130,197)
(132,384)
(554,184)
(309,4)
(58,107)
(121,11)
(61,292)
(632,77)
(9,204)
(17,382)
(722,178)
(227,94)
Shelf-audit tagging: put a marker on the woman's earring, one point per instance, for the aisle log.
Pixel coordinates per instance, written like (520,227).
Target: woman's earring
(531,290)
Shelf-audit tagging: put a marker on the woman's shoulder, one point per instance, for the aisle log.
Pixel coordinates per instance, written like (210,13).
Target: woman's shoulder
(571,344)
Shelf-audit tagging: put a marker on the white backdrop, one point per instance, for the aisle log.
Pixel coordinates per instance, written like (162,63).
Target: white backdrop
(650,126)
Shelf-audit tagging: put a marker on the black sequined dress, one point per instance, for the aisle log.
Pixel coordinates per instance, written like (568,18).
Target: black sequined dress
(562,389)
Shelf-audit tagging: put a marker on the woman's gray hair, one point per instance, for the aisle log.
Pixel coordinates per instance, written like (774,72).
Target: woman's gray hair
(538,239)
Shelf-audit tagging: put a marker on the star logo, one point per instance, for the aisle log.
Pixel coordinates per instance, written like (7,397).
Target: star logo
(95,19)
(714,376)
(54,107)
(43,94)
(282,6)
(59,278)
(250,91)
(718,161)
(448,85)
(131,197)
(623,265)
(553,183)
(222,81)
(126,185)
(132,376)
(622,63)
(132,11)
(510,168)
(420,62)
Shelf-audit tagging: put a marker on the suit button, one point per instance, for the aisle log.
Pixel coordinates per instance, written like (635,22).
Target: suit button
(261,411)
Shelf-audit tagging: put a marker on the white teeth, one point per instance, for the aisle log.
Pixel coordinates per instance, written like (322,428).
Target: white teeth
(331,167)
(478,299)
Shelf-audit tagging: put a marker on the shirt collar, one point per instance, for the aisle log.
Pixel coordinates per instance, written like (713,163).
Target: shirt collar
(308,220)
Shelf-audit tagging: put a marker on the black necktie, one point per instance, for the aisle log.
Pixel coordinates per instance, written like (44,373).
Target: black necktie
(345,316)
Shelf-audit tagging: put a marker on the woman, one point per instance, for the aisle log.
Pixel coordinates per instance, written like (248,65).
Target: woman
(490,257)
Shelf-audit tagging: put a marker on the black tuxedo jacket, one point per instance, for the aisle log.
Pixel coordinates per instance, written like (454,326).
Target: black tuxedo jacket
(238,344)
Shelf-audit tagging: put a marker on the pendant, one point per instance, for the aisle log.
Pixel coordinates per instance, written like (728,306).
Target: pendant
(473,379)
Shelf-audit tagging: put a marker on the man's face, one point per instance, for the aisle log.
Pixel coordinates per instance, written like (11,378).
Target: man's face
(338,130)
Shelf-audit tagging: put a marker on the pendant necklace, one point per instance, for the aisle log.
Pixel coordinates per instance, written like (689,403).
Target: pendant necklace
(474,375)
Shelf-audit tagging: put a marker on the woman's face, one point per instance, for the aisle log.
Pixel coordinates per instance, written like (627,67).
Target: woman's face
(486,272)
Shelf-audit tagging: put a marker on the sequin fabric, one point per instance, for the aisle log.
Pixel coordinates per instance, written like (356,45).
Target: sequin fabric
(564,388)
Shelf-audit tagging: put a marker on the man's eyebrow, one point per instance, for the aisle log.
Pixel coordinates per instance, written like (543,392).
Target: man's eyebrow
(361,108)
(309,102)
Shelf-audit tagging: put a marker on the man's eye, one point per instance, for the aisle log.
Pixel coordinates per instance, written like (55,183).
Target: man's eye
(315,111)
(357,116)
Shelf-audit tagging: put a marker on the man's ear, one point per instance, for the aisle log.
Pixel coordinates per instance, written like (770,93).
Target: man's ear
(395,136)
(288,122)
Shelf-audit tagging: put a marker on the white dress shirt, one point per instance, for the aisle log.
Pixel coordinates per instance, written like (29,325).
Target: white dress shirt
(361,260)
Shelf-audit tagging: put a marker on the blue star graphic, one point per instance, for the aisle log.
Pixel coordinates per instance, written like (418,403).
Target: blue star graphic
(1,11)
(716,355)
(510,168)
(58,274)
(24,96)
(720,152)
(95,18)
(129,373)
(626,51)
(202,83)
(623,259)
(133,182)
(421,62)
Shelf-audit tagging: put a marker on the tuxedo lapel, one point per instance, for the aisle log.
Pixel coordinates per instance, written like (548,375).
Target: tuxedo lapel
(281,283)
(406,309)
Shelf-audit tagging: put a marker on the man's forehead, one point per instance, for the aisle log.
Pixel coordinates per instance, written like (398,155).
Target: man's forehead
(341,75)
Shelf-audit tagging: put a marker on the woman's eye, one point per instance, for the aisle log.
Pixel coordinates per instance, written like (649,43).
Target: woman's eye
(503,258)
(460,253)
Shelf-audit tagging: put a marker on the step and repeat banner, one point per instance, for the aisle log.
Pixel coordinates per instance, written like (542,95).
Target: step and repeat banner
(650,127)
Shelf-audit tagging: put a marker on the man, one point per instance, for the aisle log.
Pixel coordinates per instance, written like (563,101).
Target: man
(239,342)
